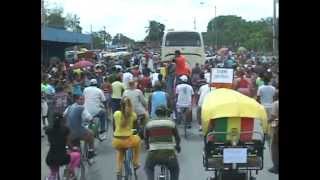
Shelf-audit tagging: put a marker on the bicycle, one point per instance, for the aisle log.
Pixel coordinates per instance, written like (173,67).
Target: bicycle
(94,127)
(183,117)
(127,171)
(164,173)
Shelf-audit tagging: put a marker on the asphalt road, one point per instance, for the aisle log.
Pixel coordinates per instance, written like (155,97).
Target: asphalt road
(190,160)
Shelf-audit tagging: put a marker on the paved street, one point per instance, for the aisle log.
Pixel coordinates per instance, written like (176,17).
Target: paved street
(190,160)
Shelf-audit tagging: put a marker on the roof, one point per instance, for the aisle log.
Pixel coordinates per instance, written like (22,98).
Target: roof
(59,35)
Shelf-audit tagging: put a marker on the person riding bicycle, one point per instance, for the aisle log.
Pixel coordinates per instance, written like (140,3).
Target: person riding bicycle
(184,94)
(94,101)
(161,139)
(124,121)
(157,98)
(117,91)
(59,138)
(75,115)
(140,104)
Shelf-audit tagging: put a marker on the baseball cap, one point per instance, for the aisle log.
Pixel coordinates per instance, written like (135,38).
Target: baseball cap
(184,78)
(93,82)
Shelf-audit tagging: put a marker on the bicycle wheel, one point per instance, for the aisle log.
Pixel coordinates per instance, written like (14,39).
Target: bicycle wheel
(185,124)
(128,165)
(84,156)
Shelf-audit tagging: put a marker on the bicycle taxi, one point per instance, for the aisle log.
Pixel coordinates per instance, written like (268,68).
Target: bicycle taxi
(233,128)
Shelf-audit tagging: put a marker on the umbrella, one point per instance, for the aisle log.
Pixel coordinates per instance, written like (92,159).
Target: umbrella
(227,103)
(242,49)
(82,64)
(222,51)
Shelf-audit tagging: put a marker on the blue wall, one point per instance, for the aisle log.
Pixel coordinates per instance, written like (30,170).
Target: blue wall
(59,35)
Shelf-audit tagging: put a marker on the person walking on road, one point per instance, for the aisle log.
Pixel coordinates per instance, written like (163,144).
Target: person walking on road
(274,121)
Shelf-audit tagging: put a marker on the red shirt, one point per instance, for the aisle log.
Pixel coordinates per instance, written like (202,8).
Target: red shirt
(135,72)
(181,66)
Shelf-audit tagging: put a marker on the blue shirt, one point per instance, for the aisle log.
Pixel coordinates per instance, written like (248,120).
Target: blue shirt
(77,90)
(158,98)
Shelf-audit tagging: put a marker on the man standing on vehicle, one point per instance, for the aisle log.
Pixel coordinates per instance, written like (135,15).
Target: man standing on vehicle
(181,65)
(94,103)
(161,139)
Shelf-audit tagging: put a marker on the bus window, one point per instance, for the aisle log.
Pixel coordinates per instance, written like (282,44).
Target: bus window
(183,39)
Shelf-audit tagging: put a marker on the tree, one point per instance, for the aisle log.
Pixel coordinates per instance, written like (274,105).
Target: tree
(72,22)
(155,31)
(98,39)
(120,39)
(54,18)
(233,31)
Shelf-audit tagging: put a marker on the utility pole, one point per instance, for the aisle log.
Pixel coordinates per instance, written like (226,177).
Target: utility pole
(104,37)
(274,44)
(215,24)
(195,24)
(91,36)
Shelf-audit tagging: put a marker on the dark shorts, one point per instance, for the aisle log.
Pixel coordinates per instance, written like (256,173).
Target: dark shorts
(56,159)
(115,104)
(79,134)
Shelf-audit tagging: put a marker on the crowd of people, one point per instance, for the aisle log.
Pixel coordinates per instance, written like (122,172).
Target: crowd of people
(145,92)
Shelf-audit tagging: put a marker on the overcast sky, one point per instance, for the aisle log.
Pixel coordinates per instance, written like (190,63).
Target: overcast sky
(130,17)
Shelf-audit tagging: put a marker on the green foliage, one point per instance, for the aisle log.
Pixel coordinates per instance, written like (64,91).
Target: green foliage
(54,18)
(155,31)
(233,31)
(120,39)
(72,22)
(98,39)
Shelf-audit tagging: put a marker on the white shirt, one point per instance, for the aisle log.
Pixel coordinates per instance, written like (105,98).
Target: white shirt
(93,98)
(207,76)
(266,93)
(150,64)
(185,93)
(126,77)
(85,115)
(203,91)
(154,78)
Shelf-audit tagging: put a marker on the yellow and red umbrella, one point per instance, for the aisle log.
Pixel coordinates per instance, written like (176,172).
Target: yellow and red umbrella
(229,109)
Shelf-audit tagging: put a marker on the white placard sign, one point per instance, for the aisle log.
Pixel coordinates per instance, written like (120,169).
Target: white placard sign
(221,75)
(235,155)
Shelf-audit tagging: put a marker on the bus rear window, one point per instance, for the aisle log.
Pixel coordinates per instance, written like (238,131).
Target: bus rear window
(183,39)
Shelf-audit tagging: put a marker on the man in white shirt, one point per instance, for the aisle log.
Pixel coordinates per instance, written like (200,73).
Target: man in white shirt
(93,101)
(126,77)
(154,77)
(207,76)
(265,95)
(203,91)
(184,94)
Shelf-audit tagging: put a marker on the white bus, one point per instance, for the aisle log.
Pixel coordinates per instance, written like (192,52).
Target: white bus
(190,44)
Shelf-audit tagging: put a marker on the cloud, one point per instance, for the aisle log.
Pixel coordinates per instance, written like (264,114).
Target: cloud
(130,17)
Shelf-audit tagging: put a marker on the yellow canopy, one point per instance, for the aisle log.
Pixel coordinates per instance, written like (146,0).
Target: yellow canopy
(229,103)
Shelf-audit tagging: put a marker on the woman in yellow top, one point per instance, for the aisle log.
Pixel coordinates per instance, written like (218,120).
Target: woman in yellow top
(124,121)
